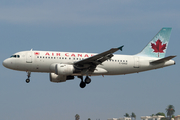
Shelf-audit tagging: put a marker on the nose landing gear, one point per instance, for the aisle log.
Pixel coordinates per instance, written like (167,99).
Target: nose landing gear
(83,83)
(28,74)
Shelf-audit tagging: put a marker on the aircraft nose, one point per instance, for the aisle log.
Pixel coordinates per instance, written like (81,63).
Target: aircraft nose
(6,63)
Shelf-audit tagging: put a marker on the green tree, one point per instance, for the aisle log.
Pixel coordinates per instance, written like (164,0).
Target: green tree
(170,111)
(126,115)
(133,116)
(77,117)
(89,118)
(160,113)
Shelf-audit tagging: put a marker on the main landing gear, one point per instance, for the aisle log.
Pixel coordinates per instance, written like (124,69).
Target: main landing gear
(83,83)
(28,74)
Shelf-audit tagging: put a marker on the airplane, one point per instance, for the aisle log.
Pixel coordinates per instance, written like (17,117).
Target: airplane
(63,66)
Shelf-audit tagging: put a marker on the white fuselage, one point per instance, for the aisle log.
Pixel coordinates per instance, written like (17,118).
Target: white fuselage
(45,61)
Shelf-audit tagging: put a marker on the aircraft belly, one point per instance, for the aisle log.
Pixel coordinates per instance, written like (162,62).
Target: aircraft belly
(36,67)
(127,68)
(41,67)
(99,71)
(118,68)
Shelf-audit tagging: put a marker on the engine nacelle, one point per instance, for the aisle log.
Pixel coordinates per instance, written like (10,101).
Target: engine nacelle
(64,69)
(59,78)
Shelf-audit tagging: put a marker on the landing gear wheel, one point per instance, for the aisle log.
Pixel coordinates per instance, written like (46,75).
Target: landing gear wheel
(87,80)
(27,80)
(82,84)
(28,75)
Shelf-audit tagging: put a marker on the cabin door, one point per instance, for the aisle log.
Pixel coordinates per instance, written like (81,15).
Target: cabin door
(29,57)
(136,62)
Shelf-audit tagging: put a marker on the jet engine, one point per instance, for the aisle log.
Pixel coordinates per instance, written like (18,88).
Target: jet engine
(64,69)
(59,78)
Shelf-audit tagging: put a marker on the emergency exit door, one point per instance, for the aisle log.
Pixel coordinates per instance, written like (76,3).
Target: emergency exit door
(29,57)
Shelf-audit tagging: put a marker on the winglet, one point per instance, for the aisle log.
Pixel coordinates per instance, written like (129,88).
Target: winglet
(120,48)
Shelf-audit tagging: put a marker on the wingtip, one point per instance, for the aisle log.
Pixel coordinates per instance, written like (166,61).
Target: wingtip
(120,48)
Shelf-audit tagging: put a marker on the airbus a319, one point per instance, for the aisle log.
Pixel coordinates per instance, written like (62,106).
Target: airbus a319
(63,66)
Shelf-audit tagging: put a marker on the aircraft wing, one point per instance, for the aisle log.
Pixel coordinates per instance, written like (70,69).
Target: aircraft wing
(93,61)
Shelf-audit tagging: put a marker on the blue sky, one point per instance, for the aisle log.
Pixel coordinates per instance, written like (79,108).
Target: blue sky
(87,26)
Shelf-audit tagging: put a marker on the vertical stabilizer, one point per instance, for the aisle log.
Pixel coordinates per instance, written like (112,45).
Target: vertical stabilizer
(158,45)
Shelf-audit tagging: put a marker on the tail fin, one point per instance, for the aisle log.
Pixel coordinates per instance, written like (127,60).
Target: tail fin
(158,45)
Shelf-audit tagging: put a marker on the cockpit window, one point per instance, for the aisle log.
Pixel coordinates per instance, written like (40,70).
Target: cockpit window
(15,56)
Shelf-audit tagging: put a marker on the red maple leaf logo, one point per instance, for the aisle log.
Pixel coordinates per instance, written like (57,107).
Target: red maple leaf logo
(36,53)
(158,47)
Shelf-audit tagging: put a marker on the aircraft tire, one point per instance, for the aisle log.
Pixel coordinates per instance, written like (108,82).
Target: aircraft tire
(87,80)
(82,84)
(27,80)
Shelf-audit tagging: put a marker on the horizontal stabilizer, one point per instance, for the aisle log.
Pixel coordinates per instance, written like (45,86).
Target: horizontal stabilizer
(162,60)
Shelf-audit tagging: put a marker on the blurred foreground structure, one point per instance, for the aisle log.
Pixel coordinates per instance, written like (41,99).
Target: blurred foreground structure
(159,117)
(177,117)
(152,117)
(124,118)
